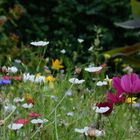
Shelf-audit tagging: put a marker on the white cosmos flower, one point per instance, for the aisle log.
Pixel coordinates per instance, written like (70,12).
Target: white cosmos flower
(93,69)
(12,69)
(27,105)
(39,121)
(39,43)
(80,40)
(100,83)
(76,81)
(101,109)
(82,131)
(9,108)
(17,100)
(15,126)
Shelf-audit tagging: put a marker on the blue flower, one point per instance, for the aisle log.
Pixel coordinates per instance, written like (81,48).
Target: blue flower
(5,82)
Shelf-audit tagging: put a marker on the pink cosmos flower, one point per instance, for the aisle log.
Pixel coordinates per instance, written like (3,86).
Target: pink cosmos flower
(129,84)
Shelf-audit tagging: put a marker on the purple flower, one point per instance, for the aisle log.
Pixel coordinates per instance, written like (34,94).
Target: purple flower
(5,82)
(129,84)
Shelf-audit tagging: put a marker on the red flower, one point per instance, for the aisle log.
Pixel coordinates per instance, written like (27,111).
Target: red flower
(22,121)
(34,115)
(104,108)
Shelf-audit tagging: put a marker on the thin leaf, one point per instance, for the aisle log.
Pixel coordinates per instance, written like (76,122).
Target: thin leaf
(131,24)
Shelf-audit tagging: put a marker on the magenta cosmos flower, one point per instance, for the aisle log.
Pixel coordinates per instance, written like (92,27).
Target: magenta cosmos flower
(116,98)
(129,84)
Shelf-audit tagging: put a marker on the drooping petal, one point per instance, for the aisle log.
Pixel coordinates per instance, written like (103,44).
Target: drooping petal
(136,86)
(126,83)
(116,82)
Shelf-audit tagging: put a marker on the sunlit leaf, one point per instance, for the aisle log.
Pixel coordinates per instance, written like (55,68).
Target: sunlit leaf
(130,24)
(123,50)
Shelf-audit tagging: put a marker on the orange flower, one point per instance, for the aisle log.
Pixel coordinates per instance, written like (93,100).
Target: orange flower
(57,64)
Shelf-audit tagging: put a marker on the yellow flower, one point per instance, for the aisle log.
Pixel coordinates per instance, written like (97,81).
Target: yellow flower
(57,64)
(50,78)
(131,100)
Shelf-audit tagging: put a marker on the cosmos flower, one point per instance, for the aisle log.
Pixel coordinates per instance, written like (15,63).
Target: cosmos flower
(116,98)
(39,43)
(104,108)
(57,64)
(76,81)
(129,83)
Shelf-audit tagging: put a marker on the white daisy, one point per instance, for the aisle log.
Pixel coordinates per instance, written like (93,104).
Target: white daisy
(39,43)
(15,126)
(93,69)
(76,81)
(28,106)
(39,121)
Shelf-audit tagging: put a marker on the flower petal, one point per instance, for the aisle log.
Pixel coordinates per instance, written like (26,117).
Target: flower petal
(126,83)
(116,82)
(136,86)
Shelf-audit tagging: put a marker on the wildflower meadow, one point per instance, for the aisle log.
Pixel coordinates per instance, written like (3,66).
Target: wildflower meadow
(73,82)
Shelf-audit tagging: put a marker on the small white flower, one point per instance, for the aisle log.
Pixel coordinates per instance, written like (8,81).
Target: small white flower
(99,133)
(101,109)
(128,69)
(39,121)
(93,69)
(9,108)
(90,49)
(70,114)
(80,40)
(100,83)
(39,43)
(54,98)
(63,51)
(12,69)
(76,81)
(17,61)
(15,126)
(27,105)
(68,92)
(82,131)
(17,100)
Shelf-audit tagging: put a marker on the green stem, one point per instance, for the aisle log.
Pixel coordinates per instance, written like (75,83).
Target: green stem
(56,131)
